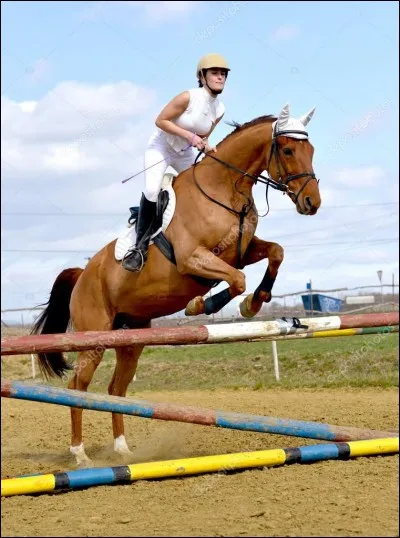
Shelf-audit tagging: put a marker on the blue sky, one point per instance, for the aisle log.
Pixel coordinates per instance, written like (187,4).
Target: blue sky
(82,83)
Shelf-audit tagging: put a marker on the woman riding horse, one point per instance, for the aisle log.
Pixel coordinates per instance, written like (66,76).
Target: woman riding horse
(185,122)
(216,241)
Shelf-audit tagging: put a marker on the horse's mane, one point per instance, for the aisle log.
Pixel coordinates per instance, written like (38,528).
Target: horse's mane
(239,127)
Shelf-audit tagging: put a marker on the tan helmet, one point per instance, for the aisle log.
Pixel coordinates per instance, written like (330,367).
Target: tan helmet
(212,60)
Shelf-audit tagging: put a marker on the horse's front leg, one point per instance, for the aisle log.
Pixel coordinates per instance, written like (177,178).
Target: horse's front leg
(256,251)
(204,263)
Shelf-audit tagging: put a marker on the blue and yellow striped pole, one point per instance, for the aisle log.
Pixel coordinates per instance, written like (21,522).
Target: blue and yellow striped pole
(356,331)
(389,329)
(192,466)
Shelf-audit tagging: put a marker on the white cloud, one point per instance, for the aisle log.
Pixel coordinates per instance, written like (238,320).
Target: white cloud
(25,271)
(161,11)
(73,128)
(285,32)
(153,10)
(112,195)
(363,176)
(93,240)
(372,255)
(28,281)
(27,106)
(72,110)
(69,159)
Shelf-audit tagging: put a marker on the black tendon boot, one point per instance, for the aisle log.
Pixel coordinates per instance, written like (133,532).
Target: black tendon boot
(136,257)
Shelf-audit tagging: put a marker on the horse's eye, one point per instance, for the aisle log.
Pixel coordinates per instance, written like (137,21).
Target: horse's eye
(287,151)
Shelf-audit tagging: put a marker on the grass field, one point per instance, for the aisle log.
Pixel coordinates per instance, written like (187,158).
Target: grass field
(356,361)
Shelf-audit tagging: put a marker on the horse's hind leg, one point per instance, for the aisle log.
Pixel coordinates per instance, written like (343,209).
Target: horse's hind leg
(125,368)
(85,319)
(84,371)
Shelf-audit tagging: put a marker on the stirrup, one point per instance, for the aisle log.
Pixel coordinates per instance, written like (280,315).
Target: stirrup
(128,254)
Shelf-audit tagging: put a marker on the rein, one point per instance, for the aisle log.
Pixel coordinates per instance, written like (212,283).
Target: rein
(241,214)
(281,184)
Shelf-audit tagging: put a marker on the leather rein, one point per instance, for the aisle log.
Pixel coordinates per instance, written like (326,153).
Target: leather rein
(281,184)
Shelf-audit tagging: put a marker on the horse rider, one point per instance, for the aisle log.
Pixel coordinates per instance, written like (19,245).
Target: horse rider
(184,123)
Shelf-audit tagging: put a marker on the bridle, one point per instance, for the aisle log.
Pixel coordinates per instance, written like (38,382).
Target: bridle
(282,184)
(275,152)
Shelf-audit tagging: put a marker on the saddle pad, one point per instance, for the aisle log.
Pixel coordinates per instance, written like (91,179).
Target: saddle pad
(128,238)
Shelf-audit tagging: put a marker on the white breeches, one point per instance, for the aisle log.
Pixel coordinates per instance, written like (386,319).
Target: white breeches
(154,176)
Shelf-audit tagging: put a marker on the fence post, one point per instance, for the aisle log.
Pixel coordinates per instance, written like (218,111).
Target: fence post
(33,366)
(275,357)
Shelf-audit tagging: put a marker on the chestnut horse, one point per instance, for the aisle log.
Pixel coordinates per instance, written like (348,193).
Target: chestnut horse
(212,235)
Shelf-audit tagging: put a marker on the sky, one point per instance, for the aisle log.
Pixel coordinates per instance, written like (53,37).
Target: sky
(81,86)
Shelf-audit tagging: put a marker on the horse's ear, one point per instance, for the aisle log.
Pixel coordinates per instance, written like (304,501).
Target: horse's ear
(307,117)
(283,117)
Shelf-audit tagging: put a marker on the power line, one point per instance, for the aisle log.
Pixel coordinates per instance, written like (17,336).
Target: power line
(65,214)
(383,240)
(353,242)
(48,251)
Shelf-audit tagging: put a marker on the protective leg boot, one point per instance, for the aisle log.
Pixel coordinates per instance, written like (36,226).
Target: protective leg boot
(136,257)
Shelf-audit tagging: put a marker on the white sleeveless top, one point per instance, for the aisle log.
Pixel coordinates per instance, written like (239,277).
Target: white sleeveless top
(202,111)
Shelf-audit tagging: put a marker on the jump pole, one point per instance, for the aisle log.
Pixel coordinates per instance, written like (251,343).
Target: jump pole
(125,474)
(188,414)
(388,329)
(322,334)
(228,332)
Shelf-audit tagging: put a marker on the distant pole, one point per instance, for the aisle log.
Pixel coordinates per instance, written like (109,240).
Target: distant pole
(380,273)
(311,299)
(33,366)
(393,290)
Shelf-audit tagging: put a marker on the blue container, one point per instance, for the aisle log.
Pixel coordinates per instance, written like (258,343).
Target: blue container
(322,303)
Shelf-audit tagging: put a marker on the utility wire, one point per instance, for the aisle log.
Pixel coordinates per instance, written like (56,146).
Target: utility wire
(65,214)
(383,240)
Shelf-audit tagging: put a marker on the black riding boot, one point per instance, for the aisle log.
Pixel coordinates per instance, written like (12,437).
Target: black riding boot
(136,257)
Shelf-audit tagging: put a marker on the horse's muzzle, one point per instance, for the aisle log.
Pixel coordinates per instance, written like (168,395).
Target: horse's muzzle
(307,205)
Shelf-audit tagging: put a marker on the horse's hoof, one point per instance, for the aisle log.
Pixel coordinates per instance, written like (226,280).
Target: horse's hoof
(195,307)
(121,448)
(245,310)
(80,455)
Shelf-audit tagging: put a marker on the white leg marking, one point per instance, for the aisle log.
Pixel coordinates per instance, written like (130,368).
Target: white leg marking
(120,446)
(80,455)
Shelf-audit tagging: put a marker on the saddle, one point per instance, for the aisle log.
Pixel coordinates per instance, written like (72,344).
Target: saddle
(158,237)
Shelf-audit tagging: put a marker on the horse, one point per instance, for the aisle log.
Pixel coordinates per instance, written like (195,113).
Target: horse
(212,235)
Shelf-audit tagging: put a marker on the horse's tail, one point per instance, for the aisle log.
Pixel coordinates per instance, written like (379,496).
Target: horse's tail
(55,319)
